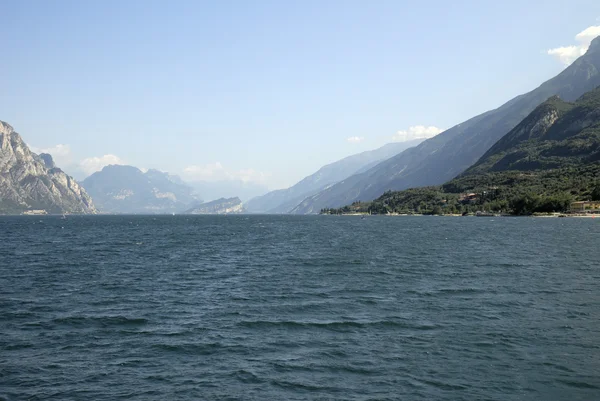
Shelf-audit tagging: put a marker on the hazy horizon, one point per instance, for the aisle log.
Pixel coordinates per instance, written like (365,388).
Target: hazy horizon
(267,93)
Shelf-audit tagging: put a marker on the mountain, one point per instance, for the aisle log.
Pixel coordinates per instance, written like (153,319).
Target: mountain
(31,182)
(557,134)
(443,157)
(284,200)
(126,189)
(548,160)
(219,206)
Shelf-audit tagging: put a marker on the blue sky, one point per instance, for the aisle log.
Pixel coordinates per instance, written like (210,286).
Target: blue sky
(265,91)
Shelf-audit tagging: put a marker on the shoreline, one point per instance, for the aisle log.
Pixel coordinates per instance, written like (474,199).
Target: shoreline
(543,216)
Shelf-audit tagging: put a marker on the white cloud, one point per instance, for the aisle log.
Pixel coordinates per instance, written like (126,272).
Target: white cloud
(568,54)
(355,139)
(61,154)
(250,175)
(217,172)
(588,34)
(93,164)
(208,172)
(416,132)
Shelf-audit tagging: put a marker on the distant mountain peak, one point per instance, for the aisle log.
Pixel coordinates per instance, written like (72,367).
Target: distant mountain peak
(594,45)
(120,167)
(5,128)
(48,160)
(126,189)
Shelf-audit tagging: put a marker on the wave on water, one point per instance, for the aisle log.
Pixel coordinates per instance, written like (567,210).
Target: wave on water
(298,308)
(336,325)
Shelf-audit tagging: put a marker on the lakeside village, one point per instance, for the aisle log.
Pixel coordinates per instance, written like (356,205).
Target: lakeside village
(468,204)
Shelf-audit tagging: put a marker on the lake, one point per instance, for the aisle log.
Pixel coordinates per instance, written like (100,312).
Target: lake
(299,308)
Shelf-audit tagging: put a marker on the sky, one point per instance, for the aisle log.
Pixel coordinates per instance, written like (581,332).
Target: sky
(265,91)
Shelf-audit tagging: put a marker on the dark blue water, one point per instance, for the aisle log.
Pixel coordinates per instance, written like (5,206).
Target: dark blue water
(299,308)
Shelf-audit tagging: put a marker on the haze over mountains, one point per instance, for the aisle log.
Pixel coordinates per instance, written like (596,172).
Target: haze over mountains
(122,189)
(126,189)
(31,183)
(218,206)
(443,157)
(284,200)
(213,190)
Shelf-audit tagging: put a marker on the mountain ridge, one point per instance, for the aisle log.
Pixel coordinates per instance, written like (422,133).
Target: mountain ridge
(284,200)
(126,189)
(218,206)
(443,157)
(548,160)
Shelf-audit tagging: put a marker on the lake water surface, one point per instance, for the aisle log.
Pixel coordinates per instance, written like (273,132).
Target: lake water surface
(299,308)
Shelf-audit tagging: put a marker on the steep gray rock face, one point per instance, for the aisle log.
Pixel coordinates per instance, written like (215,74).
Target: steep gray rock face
(48,160)
(126,189)
(30,182)
(284,200)
(219,206)
(445,156)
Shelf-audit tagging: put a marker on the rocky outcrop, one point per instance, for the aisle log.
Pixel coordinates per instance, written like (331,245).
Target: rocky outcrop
(30,182)
(219,206)
(48,160)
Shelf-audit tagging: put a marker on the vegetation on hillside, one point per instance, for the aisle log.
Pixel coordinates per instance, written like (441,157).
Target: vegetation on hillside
(549,160)
(510,192)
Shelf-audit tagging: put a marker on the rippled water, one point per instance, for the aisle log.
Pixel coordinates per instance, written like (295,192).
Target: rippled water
(267,308)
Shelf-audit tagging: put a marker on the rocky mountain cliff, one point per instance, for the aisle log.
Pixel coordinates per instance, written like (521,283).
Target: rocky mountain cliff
(284,200)
(219,206)
(443,157)
(126,189)
(30,182)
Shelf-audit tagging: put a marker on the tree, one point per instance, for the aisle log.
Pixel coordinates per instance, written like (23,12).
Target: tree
(556,203)
(596,193)
(525,204)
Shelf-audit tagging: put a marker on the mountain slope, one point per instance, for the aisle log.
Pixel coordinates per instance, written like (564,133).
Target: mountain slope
(126,189)
(219,206)
(445,156)
(31,182)
(284,200)
(557,135)
(548,160)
